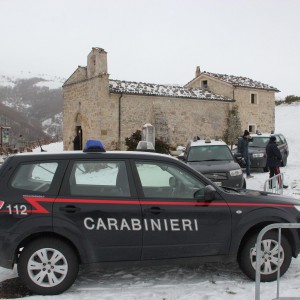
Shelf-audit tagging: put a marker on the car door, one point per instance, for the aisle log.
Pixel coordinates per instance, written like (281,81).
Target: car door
(27,193)
(97,209)
(175,223)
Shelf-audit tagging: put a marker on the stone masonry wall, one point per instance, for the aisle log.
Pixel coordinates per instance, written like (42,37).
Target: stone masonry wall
(262,114)
(175,120)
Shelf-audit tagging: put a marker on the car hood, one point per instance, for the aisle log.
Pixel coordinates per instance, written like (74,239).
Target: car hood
(271,197)
(214,166)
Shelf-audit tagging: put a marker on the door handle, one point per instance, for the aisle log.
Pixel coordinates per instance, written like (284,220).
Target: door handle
(154,210)
(69,209)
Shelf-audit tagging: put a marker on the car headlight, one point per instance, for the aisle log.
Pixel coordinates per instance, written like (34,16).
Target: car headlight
(236,172)
(258,155)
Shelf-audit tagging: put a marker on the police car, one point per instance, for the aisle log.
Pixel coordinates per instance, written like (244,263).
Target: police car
(60,210)
(214,159)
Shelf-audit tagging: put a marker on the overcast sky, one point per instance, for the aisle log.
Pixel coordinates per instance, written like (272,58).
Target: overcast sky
(155,41)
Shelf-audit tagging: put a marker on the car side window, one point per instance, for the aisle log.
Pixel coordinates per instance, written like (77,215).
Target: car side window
(279,140)
(37,176)
(99,178)
(283,139)
(163,180)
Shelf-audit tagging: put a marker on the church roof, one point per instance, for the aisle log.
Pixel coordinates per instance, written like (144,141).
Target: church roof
(140,88)
(241,81)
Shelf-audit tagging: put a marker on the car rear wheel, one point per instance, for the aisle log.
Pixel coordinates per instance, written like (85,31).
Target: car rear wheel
(270,261)
(48,266)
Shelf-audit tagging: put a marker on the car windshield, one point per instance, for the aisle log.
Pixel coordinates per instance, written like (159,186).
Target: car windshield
(259,142)
(209,153)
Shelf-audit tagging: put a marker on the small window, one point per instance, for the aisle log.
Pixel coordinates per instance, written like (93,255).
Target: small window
(204,84)
(99,178)
(252,128)
(253,98)
(161,180)
(279,141)
(34,176)
(283,139)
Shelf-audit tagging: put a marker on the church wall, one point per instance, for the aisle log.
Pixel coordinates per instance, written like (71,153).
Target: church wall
(260,114)
(176,120)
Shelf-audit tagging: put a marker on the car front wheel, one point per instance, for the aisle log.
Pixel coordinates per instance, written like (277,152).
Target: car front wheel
(48,266)
(270,259)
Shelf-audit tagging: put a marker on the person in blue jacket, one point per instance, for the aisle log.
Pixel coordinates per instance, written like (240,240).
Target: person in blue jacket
(274,159)
(243,144)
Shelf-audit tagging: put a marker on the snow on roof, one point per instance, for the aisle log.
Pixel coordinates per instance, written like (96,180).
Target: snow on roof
(140,88)
(241,81)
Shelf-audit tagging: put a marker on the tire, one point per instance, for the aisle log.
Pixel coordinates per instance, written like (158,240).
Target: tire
(48,266)
(269,266)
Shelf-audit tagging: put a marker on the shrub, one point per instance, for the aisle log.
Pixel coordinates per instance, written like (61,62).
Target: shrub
(132,142)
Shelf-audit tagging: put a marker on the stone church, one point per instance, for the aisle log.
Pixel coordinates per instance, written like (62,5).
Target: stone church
(97,107)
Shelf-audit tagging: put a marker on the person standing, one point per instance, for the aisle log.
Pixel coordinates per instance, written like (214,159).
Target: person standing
(243,144)
(274,159)
(76,143)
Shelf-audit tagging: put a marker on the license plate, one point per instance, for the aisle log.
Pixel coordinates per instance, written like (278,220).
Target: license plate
(218,183)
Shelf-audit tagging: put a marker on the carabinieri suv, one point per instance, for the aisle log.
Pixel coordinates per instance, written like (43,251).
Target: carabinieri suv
(59,210)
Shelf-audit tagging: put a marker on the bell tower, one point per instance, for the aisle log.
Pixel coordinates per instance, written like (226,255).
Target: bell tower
(96,62)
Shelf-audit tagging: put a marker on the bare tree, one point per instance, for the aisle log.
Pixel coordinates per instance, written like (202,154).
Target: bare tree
(233,130)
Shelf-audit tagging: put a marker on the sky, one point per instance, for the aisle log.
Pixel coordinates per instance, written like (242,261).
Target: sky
(157,41)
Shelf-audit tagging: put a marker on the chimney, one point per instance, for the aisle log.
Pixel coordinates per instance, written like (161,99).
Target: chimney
(198,72)
(96,62)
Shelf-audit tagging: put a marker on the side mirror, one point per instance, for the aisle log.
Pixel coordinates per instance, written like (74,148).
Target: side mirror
(206,194)
(239,159)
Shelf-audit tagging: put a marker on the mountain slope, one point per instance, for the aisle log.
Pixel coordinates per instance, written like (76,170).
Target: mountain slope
(34,107)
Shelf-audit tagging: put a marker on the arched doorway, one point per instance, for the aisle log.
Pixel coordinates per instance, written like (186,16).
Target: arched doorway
(77,142)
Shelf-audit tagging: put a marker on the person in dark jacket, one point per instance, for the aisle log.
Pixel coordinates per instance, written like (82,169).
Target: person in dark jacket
(274,159)
(243,144)
(76,143)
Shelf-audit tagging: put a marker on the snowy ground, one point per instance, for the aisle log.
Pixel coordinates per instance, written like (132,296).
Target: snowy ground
(201,282)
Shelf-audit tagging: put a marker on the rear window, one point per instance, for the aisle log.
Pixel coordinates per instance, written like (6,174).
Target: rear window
(209,153)
(259,142)
(37,176)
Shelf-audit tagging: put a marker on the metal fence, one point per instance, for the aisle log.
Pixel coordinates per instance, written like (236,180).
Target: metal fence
(274,184)
(278,226)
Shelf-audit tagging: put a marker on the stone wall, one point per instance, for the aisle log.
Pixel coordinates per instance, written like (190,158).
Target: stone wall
(176,120)
(261,115)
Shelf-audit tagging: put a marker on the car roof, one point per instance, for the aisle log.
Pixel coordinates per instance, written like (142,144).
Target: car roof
(91,155)
(208,143)
(261,135)
(264,134)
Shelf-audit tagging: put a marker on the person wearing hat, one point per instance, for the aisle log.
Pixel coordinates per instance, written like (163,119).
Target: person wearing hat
(274,159)
(243,145)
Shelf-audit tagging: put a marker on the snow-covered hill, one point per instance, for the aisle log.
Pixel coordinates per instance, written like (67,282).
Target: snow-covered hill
(37,97)
(52,82)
